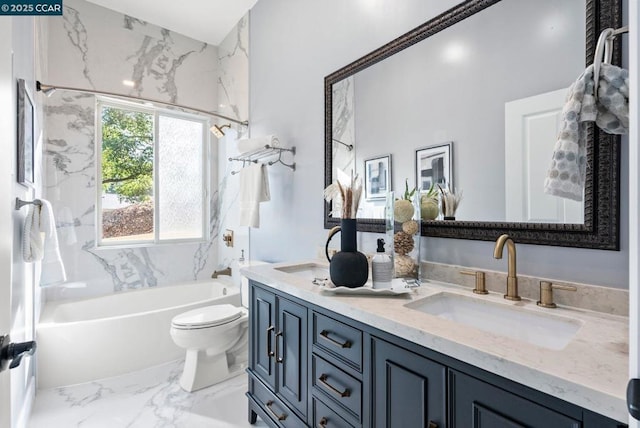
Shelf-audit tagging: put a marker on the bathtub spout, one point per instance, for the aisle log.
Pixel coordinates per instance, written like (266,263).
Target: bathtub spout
(225,271)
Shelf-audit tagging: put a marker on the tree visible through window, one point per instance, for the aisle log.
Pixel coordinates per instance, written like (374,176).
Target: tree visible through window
(153,180)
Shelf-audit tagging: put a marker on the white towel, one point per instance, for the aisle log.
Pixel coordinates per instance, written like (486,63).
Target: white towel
(254,188)
(32,237)
(40,242)
(250,144)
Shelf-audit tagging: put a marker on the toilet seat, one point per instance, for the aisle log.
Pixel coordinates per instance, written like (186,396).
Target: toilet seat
(210,316)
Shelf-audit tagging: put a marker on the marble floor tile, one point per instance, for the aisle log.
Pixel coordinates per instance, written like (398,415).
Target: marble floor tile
(145,399)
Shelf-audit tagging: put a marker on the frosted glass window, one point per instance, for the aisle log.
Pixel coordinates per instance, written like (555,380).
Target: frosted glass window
(180,178)
(154,175)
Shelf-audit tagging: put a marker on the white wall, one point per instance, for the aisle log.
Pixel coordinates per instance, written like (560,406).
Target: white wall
(294,45)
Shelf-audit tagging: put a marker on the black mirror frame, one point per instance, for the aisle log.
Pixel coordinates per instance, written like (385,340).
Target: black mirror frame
(602,188)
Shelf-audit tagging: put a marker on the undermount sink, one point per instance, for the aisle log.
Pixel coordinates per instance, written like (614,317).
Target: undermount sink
(308,271)
(541,329)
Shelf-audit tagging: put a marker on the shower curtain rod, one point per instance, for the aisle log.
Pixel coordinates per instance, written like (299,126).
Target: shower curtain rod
(49,89)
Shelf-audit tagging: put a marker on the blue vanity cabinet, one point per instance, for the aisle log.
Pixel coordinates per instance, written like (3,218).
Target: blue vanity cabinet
(408,389)
(311,367)
(474,403)
(278,359)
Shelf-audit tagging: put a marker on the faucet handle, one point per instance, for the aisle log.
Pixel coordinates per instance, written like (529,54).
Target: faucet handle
(546,293)
(480,284)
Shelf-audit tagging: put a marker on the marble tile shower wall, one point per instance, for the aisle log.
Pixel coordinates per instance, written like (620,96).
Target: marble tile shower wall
(233,101)
(93,47)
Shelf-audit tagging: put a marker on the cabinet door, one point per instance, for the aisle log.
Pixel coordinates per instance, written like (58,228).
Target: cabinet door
(408,389)
(479,405)
(291,354)
(263,330)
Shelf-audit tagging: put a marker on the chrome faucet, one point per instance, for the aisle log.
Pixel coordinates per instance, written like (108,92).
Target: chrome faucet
(512,278)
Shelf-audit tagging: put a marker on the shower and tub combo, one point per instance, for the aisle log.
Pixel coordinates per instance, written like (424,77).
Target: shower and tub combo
(90,339)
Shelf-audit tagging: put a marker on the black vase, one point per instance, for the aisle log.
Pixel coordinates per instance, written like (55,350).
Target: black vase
(348,267)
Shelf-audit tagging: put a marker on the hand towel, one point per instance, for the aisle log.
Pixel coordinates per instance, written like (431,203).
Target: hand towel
(610,112)
(245,145)
(53,271)
(254,188)
(32,239)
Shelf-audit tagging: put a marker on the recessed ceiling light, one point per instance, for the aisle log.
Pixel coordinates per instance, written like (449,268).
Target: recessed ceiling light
(129,83)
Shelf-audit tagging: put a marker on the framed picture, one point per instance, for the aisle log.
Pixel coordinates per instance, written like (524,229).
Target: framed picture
(434,165)
(25,135)
(377,177)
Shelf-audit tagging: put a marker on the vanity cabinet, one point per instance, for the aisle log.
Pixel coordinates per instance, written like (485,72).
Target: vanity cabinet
(475,403)
(408,389)
(312,367)
(278,358)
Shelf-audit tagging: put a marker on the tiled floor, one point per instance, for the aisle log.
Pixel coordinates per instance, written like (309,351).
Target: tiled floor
(146,399)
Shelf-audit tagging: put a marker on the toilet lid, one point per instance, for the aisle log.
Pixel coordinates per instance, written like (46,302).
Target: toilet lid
(209,316)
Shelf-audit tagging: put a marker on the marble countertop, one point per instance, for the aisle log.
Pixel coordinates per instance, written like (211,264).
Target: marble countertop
(591,371)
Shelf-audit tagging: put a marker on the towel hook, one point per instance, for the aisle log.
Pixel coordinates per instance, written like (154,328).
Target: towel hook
(20,203)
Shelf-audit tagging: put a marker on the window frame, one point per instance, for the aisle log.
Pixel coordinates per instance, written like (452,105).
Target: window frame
(155,112)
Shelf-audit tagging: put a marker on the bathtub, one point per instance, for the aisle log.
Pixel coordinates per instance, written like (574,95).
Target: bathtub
(85,340)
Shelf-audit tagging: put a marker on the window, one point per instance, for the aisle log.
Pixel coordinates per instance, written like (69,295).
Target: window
(153,174)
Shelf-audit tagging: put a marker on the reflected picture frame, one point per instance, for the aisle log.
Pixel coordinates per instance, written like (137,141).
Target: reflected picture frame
(25,135)
(434,166)
(377,177)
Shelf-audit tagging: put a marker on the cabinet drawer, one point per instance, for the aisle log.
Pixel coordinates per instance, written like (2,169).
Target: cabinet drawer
(273,407)
(338,339)
(324,417)
(338,385)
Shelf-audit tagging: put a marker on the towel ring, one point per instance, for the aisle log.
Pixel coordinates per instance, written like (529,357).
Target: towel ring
(603,47)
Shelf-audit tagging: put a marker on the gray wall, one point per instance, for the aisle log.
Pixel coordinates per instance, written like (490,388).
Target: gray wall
(293,46)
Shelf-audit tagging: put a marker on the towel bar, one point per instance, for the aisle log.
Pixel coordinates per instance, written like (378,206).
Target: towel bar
(264,152)
(20,203)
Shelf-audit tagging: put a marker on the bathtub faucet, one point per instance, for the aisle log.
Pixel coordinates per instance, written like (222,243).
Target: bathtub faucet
(225,271)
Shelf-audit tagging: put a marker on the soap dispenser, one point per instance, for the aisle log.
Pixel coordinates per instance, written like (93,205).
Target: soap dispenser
(381,267)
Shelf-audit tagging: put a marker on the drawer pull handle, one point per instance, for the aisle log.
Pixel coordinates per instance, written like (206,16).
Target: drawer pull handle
(270,353)
(323,422)
(323,380)
(279,359)
(325,335)
(281,417)
(432,424)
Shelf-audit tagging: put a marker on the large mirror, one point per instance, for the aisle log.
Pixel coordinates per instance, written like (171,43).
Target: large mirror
(471,100)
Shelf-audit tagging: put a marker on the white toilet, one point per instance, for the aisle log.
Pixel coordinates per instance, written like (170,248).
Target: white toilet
(215,338)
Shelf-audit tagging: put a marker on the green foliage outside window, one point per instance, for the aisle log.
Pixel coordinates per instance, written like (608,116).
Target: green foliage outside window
(127,154)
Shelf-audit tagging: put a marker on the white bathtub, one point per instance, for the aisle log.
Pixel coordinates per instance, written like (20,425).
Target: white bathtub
(84,340)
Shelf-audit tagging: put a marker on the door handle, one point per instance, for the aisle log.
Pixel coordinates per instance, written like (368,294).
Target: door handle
(633,398)
(11,353)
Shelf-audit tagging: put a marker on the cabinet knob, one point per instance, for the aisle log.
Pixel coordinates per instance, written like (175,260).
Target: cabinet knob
(432,424)
(323,422)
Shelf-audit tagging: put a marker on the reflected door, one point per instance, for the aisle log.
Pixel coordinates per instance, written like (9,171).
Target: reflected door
(531,130)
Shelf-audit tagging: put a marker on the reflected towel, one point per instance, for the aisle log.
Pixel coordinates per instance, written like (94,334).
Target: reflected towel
(610,112)
(254,188)
(245,145)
